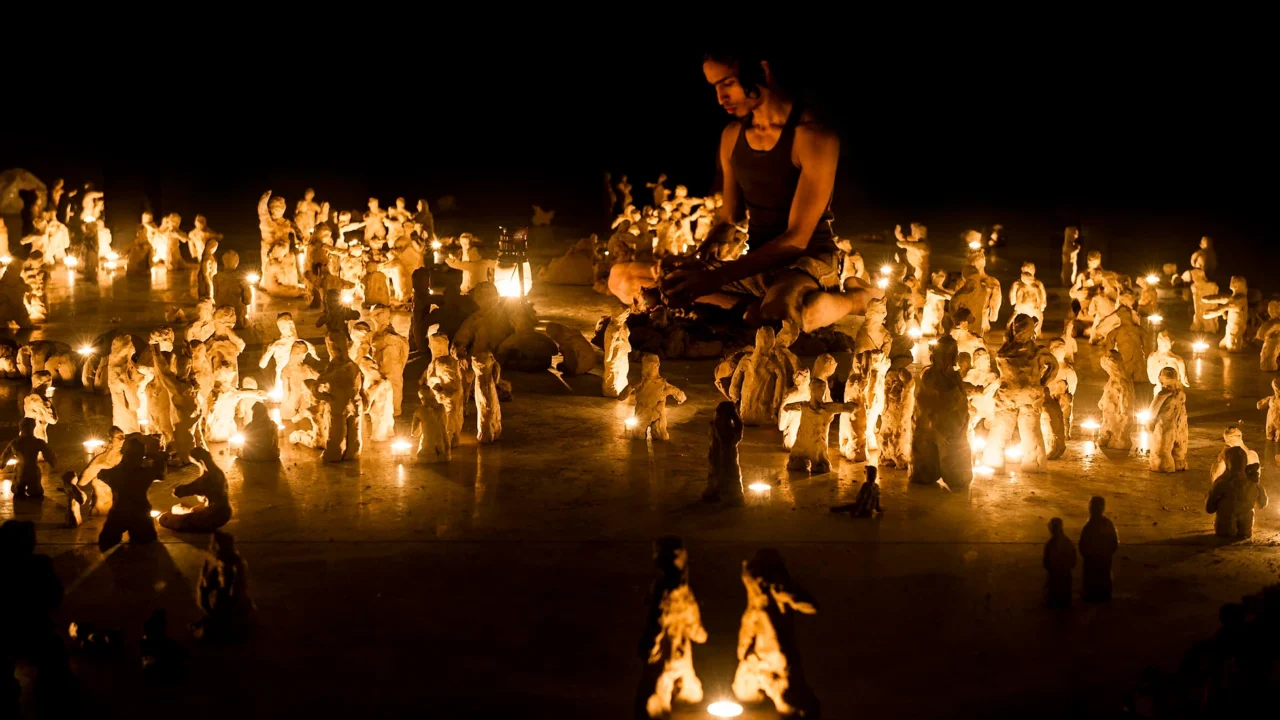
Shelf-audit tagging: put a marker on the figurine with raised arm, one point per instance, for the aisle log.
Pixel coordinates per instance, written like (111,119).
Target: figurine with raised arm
(674,625)
(211,485)
(809,453)
(651,395)
(768,655)
(759,382)
(1235,308)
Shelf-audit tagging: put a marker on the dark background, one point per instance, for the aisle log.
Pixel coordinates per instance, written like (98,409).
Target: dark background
(1141,133)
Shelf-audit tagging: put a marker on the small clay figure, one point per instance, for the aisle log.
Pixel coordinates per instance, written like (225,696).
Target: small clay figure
(179,403)
(759,382)
(38,405)
(577,355)
(1028,296)
(223,592)
(378,401)
(867,503)
(429,427)
(444,376)
(211,485)
(163,660)
(230,288)
(1098,544)
(280,273)
(1235,308)
(810,449)
(27,449)
(853,425)
(305,212)
(768,654)
(488,409)
(130,509)
(617,349)
(1269,335)
(1272,404)
(1206,257)
(280,351)
(1164,357)
(1234,496)
(894,434)
(789,420)
(208,270)
(1059,562)
(344,398)
(475,269)
(1130,341)
(1202,319)
(1070,253)
(391,351)
(272,224)
(651,393)
(1062,392)
(1116,404)
(674,625)
(1168,425)
(917,248)
(940,439)
(973,296)
(937,294)
(1025,371)
(660,191)
(123,381)
(962,323)
(724,476)
(261,437)
(36,277)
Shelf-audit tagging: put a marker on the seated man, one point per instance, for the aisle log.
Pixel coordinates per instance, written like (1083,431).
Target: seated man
(780,165)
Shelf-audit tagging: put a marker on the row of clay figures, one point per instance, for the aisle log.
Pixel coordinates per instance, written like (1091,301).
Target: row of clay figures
(769,668)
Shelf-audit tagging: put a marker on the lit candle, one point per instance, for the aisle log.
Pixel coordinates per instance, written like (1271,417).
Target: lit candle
(1199,346)
(347,297)
(631,423)
(1143,416)
(435,252)
(1155,319)
(724,708)
(886,269)
(974,244)
(91,446)
(882,283)
(759,487)
(276,394)
(1153,279)
(85,350)
(1013,452)
(401,446)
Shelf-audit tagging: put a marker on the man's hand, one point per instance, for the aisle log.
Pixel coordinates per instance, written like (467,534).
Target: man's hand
(691,284)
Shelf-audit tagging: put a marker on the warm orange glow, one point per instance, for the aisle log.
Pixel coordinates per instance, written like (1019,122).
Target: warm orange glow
(724,708)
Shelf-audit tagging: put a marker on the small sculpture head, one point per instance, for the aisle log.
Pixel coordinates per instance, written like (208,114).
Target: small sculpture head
(1111,364)
(801,378)
(1239,286)
(201,222)
(1273,309)
(285,324)
(1128,300)
(297,351)
(1055,527)
(877,312)
(439,344)
(373,204)
(277,207)
(981,359)
(204,309)
(1028,272)
(1169,378)
(344,217)
(1169,269)
(1022,328)
(259,414)
(224,317)
(662,178)
(1206,243)
(486,295)
(649,366)
(1094,259)
(147,218)
(27,426)
(222,545)
(230,260)
(920,232)
(211,249)
(1275,386)
(682,191)
(964,363)
(1233,436)
(1236,459)
(369,368)
(1058,347)
(824,366)
(132,452)
(765,339)
(945,352)
(1164,343)
(961,318)
(309,194)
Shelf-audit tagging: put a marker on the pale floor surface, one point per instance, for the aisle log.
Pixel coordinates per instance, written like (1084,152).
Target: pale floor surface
(513,581)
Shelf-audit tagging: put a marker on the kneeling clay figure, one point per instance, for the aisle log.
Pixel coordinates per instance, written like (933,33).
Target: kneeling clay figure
(129,482)
(212,486)
(868,501)
(651,395)
(223,593)
(724,476)
(261,437)
(1234,496)
(674,625)
(768,654)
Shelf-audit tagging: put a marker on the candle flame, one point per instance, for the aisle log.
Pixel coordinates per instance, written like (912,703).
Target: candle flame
(724,708)
(759,487)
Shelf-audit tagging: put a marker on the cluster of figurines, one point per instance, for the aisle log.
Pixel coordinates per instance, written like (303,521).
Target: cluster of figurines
(769,668)
(222,593)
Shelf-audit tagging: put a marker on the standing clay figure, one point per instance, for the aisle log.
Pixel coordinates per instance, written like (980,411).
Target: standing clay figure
(1235,307)
(1025,370)
(1269,335)
(1202,320)
(199,237)
(1116,404)
(768,654)
(974,297)
(1098,544)
(1070,253)
(429,428)
(180,401)
(38,405)
(789,420)
(810,449)
(1163,358)
(674,625)
(378,401)
(304,213)
(1130,341)
(759,382)
(1205,257)
(935,302)
(1234,496)
(1062,392)
(1059,562)
(624,190)
(272,225)
(211,485)
(940,439)
(660,191)
(202,327)
(724,474)
(130,509)
(280,350)
(343,397)
(995,296)
(280,273)
(223,592)
(917,249)
(1028,296)
(578,357)
(444,376)
(375,224)
(896,422)
(617,348)
(1272,404)
(124,382)
(208,270)
(1168,425)
(261,437)
(231,289)
(391,351)
(488,409)
(27,449)
(651,395)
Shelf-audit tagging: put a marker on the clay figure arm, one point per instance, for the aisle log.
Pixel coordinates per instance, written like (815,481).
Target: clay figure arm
(1262,495)
(51,458)
(1013,293)
(794,407)
(1264,403)
(835,408)
(676,393)
(1215,496)
(415,427)
(264,214)
(795,598)
(735,385)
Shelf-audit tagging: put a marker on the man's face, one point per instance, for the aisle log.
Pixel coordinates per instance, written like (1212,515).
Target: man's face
(729,92)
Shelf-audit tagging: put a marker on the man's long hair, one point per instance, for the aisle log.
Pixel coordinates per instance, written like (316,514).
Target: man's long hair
(746,62)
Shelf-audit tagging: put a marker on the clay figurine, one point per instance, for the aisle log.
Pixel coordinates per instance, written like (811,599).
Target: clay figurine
(230,289)
(129,482)
(1028,296)
(1269,335)
(810,449)
(577,355)
(768,654)
(867,503)
(444,376)
(674,625)
(211,485)
(651,393)
(272,225)
(1025,371)
(1202,319)
(180,404)
(1130,341)
(1116,404)
(1059,562)
(1168,425)
(1070,253)
(894,434)
(759,382)
(617,348)
(1235,308)
(343,397)
(123,381)
(27,450)
(488,409)
(1234,496)
(305,212)
(789,420)
(917,248)
(660,191)
(1164,357)
(1098,544)
(38,405)
(724,475)
(378,401)
(261,437)
(1062,392)
(429,427)
(1272,404)
(940,441)
(223,592)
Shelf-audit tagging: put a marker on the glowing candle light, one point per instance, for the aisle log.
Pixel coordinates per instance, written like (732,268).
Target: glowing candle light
(984,470)
(5,486)
(886,269)
(5,259)
(882,283)
(155,513)
(1143,416)
(724,708)
(1200,346)
(435,252)
(401,446)
(631,423)
(1013,452)
(348,297)
(11,462)
(1153,279)
(86,350)
(914,333)
(974,244)
(179,509)
(979,443)
(276,394)
(70,261)
(91,446)
(759,487)
(1090,424)
(237,440)
(1155,319)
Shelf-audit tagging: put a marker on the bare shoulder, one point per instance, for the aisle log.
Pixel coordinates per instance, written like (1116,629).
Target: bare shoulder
(814,134)
(729,135)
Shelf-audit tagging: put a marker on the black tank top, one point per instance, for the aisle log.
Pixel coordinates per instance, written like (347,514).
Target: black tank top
(768,179)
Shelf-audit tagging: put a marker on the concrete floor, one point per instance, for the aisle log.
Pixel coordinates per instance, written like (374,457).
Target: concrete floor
(512,582)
